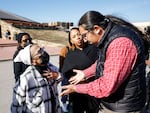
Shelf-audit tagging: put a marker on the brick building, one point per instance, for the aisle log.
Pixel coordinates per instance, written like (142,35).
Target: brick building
(13,23)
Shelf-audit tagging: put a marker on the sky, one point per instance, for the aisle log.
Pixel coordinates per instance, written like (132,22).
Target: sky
(71,10)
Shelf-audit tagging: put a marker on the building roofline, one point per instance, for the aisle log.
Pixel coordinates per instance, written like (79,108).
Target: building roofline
(7,15)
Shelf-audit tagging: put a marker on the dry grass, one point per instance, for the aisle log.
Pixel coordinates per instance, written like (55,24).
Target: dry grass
(54,36)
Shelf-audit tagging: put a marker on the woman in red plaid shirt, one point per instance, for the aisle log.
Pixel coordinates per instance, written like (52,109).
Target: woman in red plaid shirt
(120,69)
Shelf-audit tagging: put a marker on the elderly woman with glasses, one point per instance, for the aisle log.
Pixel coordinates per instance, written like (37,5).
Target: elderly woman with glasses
(34,92)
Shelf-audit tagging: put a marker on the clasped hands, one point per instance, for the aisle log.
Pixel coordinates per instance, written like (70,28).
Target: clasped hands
(50,75)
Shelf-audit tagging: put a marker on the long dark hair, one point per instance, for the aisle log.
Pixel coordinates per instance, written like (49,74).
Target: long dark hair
(20,35)
(122,22)
(69,38)
(91,18)
(19,38)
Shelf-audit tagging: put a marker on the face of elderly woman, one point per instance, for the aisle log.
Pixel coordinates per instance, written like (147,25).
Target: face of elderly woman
(39,56)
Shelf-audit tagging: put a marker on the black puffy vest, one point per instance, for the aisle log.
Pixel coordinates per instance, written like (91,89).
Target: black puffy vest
(131,95)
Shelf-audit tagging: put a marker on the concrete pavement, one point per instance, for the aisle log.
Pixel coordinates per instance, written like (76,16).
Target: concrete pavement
(6,86)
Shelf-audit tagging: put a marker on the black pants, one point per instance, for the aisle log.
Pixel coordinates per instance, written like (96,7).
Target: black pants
(147,106)
(82,103)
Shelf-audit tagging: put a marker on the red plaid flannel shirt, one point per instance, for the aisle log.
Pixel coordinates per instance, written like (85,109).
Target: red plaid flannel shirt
(121,56)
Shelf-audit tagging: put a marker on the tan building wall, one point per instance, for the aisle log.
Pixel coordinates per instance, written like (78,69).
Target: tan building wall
(4,26)
(141,25)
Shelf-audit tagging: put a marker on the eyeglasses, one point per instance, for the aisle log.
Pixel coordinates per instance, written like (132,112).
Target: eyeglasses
(84,35)
(39,53)
(26,40)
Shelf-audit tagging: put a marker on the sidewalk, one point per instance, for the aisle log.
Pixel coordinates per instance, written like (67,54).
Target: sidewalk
(8,47)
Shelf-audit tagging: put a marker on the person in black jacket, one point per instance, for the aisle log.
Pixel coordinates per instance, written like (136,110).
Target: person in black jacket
(147,107)
(23,39)
(81,57)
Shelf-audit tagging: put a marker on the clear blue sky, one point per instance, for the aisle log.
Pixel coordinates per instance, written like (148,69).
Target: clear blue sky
(72,10)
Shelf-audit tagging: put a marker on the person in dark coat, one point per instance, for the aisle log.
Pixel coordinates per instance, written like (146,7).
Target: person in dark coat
(81,57)
(23,40)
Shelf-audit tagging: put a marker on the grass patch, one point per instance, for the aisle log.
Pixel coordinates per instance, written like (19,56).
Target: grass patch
(54,36)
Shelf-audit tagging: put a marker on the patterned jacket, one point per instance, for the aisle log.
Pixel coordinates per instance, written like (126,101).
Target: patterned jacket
(34,94)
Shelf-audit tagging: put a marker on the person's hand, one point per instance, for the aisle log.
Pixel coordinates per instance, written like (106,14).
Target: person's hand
(148,62)
(67,89)
(50,75)
(78,77)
